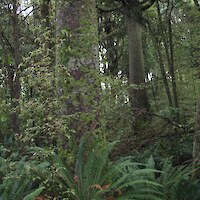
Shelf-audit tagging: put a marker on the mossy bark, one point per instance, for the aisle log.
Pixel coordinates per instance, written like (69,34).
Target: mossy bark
(77,62)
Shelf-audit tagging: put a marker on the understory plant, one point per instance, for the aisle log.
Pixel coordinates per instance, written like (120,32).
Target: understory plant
(176,181)
(18,188)
(95,177)
(15,182)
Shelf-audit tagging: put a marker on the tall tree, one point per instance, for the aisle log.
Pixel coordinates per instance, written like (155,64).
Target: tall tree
(133,19)
(77,59)
(132,11)
(10,45)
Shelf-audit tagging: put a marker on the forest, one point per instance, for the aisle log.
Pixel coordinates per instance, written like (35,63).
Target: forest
(99,100)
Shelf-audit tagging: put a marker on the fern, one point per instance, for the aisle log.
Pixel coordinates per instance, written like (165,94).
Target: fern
(18,188)
(16,182)
(33,194)
(94,178)
(171,178)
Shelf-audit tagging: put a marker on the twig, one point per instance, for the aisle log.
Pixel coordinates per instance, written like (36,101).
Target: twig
(29,14)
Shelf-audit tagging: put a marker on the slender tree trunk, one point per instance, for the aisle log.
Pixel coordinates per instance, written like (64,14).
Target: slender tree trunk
(15,90)
(169,50)
(13,71)
(172,73)
(110,45)
(138,93)
(163,73)
(10,74)
(161,65)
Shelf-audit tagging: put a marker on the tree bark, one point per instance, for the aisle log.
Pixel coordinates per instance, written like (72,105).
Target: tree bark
(138,93)
(15,91)
(77,58)
(44,10)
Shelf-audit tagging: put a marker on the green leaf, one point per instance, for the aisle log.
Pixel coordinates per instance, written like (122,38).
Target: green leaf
(33,194)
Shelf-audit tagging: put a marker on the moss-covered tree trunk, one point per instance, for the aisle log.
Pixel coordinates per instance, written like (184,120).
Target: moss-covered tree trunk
(77,21)
(77,62)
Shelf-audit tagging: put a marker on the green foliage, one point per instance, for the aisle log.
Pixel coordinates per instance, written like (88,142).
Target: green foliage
(94,177)
(15,181)
(18,188)
(115,108)
(33,194)
(175,180)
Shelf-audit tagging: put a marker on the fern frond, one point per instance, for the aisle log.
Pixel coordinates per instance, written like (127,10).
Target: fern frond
(33,194)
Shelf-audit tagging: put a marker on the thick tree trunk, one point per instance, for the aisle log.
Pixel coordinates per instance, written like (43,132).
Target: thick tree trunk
(77,57)
(138,94)
(196,144)
(79,19)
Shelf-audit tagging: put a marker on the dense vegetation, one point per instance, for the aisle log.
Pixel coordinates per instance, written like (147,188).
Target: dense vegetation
(99,99)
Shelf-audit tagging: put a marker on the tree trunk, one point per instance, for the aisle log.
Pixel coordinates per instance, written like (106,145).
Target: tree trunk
(162,68)
(15,89)
(12,68)
(138,93)
(163,73)
(44,10)
(77,58)
(171,61)
(169,50)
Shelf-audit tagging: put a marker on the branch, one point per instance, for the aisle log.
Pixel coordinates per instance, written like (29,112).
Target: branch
(143,2)
(145,7)
(24,9)
(104,9)
(29,14)
(8,43)
(168,120)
